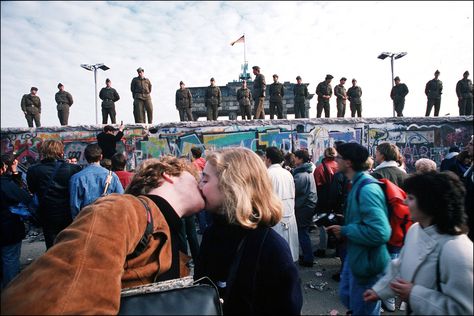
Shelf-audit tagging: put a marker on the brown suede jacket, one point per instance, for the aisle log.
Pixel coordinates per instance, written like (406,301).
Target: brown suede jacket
(84,272)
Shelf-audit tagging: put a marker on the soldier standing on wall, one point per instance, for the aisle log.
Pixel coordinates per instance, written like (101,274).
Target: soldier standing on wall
(141,89)
(31,107)
(354,95)
(324,92)
(341,97)
(433,90)
(64,102)
(184,101)
(398,93)
(300,91)
(259,87)
(276,98)
(464,93)
(109,96)
(212,100)
(244,97)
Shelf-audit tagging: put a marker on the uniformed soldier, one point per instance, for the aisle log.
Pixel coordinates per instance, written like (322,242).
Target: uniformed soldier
(433,90)
(300,92)
(341,97)
(277,92)
(354,95)
(259,88)
(109,96)
(212,100)
(141,90)
(184,101)
(324,92)
(31,107)
(398,93)
(64,102)
(244,97)
(464,93)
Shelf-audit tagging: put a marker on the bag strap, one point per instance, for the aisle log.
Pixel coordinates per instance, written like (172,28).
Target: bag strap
(107,182)
(144,240)
(56,168)
(362,184)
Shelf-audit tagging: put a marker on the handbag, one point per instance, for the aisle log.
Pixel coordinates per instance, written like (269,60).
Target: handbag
(181,296)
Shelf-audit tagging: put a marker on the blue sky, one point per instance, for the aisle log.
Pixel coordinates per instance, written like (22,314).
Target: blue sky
(44,43)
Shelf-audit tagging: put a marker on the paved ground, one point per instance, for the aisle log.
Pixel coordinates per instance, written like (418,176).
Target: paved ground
(319,290)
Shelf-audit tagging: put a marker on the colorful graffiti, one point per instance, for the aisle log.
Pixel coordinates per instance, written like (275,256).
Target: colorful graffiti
(415,140)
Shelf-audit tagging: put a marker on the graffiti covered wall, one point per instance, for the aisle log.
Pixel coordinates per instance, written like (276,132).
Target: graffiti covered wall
(416,137)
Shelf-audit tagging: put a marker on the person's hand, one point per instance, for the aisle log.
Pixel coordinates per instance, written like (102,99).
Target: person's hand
(121,127)
(370,296)
(14,166)
(335,229)
(402,288)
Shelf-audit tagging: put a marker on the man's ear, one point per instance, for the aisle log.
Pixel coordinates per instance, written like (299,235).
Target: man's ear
(167,178)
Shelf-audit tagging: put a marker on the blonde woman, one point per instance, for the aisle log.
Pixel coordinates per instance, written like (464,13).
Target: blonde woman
(249,261)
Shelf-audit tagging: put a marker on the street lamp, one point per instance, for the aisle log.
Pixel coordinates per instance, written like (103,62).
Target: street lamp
(392,57)
(94,68)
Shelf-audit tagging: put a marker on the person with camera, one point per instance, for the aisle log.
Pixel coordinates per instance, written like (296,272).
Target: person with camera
(367,230)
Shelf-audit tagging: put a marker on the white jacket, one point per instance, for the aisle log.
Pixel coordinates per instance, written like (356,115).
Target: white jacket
(418,264)
(284,187)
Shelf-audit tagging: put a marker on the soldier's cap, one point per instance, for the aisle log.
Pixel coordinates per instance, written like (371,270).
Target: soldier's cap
(140,69)
(256,68)
(109,128)
(275,75)
(180,83)
(397,78)
(343,79)
(298,78)
(212,79)
(34,88)
(60,85)
(354,79)
(329,77)
(107,80)
(437,72)
(466,73)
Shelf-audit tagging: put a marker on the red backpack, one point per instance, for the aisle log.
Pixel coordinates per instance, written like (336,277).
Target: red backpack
(398,213)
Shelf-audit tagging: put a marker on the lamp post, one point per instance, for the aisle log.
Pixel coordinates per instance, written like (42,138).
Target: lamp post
(94,68)
(392,57)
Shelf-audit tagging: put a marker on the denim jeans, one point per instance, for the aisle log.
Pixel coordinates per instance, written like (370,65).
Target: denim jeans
(351,293)
(305,244)
(10,262)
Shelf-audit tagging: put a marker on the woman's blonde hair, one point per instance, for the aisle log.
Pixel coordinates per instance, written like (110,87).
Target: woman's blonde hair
(149,174)
(249,199)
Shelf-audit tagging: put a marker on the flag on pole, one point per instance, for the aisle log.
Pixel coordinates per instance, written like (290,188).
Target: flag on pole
(240,40)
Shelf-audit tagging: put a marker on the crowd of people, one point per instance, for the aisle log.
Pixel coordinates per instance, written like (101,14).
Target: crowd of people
(246,97)
(106,230)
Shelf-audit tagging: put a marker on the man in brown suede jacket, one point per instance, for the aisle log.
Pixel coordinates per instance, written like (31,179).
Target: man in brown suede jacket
(90,262)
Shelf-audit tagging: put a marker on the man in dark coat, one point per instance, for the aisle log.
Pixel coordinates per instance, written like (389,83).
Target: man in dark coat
(141,92)
(31,106)
(259,88)
(433,90)
(184,101)
(109,96)
(398,94)
(464,92)
(64,102)
(212,100)
(324,92)
(107,141)
(300,92)
(277,91)
(354,95)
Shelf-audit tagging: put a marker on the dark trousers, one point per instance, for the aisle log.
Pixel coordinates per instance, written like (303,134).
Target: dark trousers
(356,108)
(299,110)
(322,105)
(341,108)
(465,106)
(212,110)
(246,112)
(106,112)
(259,109)
(63,113)
(429,106)
(141,106)
(185,114)
(279,109)
(399,105)
(35,116)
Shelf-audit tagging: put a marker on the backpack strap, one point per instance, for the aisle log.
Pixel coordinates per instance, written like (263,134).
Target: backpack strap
(363,183)
(107,182)
(143,243)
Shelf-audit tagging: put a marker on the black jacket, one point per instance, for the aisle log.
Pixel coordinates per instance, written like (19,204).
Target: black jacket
(107,142)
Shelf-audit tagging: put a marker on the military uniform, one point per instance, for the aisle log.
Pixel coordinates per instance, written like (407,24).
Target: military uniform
(64,102)
(31,106)
(184,101)
(323,89)
(277,92)
(109,96)
(433,90)
(244,97)
(300,91)
(141,89)
(464,93)
(213,102)
(398,94)
(354,95)
(341,96)
(259,88)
